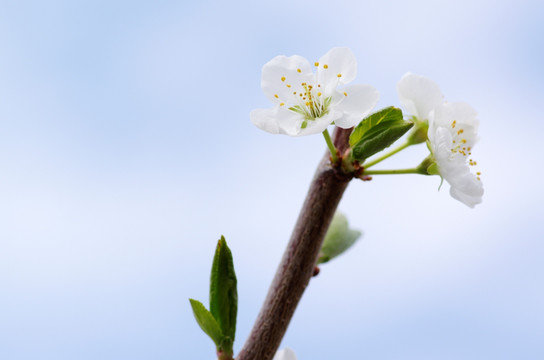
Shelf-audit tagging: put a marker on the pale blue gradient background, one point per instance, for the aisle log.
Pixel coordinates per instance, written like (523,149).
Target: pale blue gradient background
(126,150)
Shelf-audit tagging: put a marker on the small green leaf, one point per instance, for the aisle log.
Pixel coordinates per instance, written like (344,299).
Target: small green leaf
(380,137)
(387,114)
(206,321)
(339,238)
(223,293)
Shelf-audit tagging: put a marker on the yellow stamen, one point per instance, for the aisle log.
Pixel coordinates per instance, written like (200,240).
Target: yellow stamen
(298,70)
(325,66)
(283,78)
(316,63)
(345,93)
(339,75)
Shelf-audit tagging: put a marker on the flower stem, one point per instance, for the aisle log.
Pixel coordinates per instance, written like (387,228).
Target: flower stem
(332,149)
(386,155)
(393,172)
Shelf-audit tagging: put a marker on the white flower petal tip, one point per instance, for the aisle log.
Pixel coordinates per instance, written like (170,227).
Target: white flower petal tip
(285,354)
(470,192)
(306,102)
(419,95)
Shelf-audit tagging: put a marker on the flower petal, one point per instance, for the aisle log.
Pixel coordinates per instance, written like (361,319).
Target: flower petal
(283,75)
(459,118)
(356,102)
(463,114)
(320,124)
(285,354)
(466,187)
(290,122)
(265,119)
(441,139)
(470,193)
(419,95)
(337,67)
(277,120)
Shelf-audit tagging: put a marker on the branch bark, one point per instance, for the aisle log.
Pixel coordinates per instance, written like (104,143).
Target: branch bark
(298,262)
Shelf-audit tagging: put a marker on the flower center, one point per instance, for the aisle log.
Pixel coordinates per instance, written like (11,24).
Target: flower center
(307,99)
(309,102)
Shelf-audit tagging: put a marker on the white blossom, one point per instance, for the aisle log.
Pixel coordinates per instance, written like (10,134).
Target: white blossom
(306,102)
(452,134)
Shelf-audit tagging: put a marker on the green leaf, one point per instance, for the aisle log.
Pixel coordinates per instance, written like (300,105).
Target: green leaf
(223,293)
(387,114)
(339,238)
(206,321)
(379,137)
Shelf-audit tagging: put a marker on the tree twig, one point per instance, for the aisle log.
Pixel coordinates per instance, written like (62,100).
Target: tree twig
(298,262)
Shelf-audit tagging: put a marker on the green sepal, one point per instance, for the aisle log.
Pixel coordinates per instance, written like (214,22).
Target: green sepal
(428,166)
(418,134)
(433,169)
(338,239)
(387,114)
(380,137)
(223,293)
(207,322)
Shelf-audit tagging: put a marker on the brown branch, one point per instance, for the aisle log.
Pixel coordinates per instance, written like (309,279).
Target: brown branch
(298,262)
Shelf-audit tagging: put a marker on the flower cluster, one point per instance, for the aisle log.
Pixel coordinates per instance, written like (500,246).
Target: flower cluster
(307,102)
(452,134)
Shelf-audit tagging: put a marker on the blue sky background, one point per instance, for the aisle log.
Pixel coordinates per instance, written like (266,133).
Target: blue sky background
(126,151)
